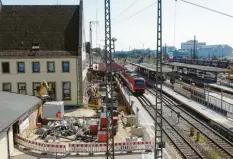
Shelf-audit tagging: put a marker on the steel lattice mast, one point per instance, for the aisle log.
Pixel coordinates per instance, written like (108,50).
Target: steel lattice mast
(108,80)
(159,77)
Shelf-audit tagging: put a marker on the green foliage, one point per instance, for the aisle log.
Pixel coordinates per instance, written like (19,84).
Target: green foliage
(214,57)
(215,155)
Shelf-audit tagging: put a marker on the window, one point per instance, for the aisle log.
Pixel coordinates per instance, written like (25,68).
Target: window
(51,66)
(22,88)
(6,87)
(66,89)
(65,66)
(36,88)
(35,67)
(21,67)
(5,67)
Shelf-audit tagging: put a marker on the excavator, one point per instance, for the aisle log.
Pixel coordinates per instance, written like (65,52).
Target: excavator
(44,92)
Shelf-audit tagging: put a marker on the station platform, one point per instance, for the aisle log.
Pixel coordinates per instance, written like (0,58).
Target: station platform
(151,67)
(146,120)
(224,88)
(199,108)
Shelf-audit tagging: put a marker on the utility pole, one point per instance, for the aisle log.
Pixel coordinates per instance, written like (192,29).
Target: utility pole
(114,51)
(91,55)
(194,47)
(108,81)
(159,144)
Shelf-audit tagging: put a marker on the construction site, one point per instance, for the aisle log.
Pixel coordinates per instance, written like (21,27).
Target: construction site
(61,130)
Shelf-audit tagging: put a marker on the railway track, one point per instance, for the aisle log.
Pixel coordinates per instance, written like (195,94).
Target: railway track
(182,144)
(215,139)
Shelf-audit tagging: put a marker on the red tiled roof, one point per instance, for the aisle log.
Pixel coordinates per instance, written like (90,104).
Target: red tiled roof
(115,67)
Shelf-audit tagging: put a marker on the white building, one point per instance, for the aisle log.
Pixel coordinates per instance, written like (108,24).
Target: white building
(47,45)
(189,45)
(18,121)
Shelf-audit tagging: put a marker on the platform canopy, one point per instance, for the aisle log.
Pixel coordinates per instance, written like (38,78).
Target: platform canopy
(198,67)
(152,68)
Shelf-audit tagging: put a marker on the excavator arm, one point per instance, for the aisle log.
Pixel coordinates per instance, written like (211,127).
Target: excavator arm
(44,92)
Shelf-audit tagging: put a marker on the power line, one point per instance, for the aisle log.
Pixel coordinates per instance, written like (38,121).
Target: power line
(209,9)
(131,5)
(137,12)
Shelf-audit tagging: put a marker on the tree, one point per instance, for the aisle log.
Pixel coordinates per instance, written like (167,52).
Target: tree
(214,57)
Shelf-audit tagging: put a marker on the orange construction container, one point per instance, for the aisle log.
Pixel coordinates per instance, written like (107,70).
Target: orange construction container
(93,127)
(103,120)
(102,136)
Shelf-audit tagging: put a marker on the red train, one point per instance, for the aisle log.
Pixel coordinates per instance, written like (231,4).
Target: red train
(134,82)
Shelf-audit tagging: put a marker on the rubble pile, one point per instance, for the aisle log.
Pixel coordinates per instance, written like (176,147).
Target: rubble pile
(69,128)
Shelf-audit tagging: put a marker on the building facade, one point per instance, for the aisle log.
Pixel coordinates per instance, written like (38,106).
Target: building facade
(189,45)
(43,42)
(219,51)
(24,75)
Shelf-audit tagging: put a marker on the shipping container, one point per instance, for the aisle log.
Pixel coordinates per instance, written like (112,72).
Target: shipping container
(50,109)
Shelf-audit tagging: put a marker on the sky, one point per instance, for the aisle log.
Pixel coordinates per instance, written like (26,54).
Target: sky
(140,30)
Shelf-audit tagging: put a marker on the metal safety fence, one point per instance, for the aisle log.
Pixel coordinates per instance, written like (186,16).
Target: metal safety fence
(88,148)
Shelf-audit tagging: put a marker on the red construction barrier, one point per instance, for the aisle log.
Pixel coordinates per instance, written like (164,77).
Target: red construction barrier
(84,148)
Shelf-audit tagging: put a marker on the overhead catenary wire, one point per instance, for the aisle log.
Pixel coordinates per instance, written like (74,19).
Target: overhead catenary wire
(130,6)
(136,13)
(209,9)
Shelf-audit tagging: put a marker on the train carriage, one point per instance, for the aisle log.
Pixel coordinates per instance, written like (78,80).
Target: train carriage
(134,82)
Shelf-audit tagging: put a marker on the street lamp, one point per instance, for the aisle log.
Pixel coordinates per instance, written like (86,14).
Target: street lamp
(114,40)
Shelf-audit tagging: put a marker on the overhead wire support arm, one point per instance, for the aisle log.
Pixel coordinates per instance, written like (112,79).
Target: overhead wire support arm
(91,52)
(108,81)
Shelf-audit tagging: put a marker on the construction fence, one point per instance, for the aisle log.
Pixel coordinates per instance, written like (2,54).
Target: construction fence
(83,148)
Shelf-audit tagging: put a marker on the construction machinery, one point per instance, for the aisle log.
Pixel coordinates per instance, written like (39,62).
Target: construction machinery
(44,92)
(93,92)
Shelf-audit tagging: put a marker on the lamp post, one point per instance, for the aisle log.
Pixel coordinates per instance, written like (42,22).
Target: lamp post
(114,40)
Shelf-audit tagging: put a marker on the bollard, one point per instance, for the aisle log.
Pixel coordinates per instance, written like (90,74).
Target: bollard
(198,136)
(191,132)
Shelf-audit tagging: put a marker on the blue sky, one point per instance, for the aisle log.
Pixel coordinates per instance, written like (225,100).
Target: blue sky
(140,30)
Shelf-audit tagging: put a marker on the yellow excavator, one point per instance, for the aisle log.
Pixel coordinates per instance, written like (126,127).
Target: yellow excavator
(44,92)
(230,73)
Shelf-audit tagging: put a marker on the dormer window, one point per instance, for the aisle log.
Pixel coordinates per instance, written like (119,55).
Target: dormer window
(35,46)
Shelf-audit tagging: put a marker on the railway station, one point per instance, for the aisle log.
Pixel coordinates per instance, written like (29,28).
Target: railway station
(150,70)
(59,101)
(206,74)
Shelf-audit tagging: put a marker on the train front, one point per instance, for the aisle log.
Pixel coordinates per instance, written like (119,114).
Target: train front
(139,85)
